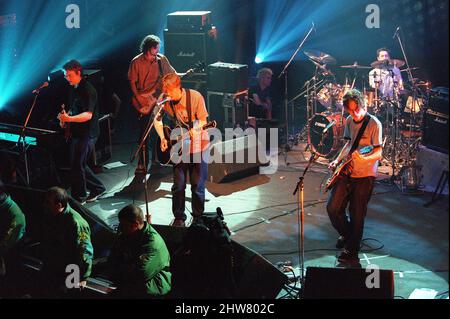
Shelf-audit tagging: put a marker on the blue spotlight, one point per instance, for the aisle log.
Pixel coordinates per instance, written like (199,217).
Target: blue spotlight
(259,59)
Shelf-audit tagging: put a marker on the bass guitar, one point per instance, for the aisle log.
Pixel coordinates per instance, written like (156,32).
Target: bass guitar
(149,97)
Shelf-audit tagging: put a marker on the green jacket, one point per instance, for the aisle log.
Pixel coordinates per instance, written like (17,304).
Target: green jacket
(12,224)
(67,238)
(140,264)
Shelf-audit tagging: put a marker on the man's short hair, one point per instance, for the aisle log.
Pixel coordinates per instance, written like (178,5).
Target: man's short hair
(356,96)
(262,72)
(383,49)
(73,65)
(59,194)
(150,41)
(171,80)
(132,213)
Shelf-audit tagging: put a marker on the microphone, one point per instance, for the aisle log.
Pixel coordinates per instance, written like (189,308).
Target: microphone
(167,99)
(44,85)
(328,127)
(396,32)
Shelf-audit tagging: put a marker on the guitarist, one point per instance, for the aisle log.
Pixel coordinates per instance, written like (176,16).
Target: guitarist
(354,185)
(83,104)
(185,107)
(145,73)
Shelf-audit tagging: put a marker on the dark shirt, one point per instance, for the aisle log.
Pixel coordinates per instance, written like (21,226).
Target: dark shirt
(83,98)
(262,94)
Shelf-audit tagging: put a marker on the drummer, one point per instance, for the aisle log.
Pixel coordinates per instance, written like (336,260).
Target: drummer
(386,76)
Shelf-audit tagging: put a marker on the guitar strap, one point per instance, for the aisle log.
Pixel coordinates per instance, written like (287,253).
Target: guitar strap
(188,107)
(360,134)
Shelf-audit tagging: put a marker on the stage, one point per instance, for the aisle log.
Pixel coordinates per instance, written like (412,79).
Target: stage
(400,233)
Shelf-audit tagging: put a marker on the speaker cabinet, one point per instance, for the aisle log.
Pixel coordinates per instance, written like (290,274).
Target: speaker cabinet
(346,283)
(227,77)
(184,49)
(435,124)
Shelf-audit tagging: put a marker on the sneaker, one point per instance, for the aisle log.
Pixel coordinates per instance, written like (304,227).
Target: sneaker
(178,223)
(348,257)
(340,243)
(94,196)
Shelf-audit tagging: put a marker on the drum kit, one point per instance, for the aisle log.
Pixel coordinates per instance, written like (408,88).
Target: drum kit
(399,107)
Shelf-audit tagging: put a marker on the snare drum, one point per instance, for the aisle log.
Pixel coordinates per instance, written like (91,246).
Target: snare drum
(332,139)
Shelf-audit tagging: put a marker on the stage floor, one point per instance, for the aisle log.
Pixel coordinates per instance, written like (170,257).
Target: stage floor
(400,234)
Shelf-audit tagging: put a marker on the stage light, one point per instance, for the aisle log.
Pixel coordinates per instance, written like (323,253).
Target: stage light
(259,59)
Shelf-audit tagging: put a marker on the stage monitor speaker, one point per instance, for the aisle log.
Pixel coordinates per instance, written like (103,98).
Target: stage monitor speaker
(435,124)
(245,149)
(254,276)
(347,283)
(184,50)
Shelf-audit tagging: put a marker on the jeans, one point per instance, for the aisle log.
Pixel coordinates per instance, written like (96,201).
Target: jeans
(356,193)
(82,177)
(198,173)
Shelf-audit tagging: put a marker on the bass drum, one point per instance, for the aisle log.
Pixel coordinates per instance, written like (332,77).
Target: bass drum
(332,139)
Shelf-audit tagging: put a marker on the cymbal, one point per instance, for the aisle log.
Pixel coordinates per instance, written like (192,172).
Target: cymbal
(387,64)
(320,57)
(355,66)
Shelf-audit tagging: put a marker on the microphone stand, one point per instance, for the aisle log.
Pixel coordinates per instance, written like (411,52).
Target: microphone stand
(21,142)
(285,73)
(414,101)
(299,188)
(148,129)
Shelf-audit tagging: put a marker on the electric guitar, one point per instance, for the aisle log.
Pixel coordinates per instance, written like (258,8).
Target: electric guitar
(343,166)
(165,157)
(65,125)
(150,96)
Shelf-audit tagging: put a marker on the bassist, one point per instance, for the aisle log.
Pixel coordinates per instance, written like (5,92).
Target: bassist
(354,186)
(144,74)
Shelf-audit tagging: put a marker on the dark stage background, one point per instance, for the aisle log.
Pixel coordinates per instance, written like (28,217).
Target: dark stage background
(38,41)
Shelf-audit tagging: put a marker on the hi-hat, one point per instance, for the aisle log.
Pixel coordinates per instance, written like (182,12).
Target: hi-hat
(355,66)
(320,57)
(387,64)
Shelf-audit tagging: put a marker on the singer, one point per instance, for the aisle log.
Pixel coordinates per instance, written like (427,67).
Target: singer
(355,183)
(185,107)
(82,103)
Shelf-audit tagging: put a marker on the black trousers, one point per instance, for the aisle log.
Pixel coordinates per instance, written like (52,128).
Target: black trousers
(149,143)
(82,177)
(354,193)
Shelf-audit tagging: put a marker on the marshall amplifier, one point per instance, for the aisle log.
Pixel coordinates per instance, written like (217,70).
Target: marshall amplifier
(435,124)
(184,49)
(227,77)
(189,21)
